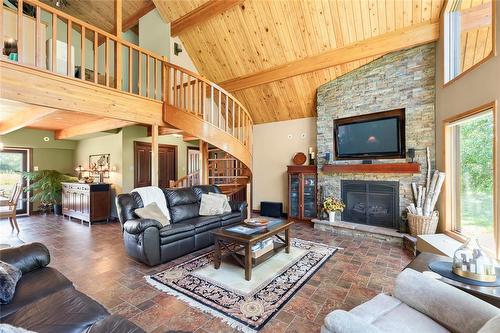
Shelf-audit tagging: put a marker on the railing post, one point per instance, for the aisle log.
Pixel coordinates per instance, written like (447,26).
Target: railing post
(203,162)
(130,55)
(165,80)
(82,68)
(20,19)
(54,43)
(96,58)
(68,49)
(38,36)
(154,155)
(139,74)
(118,46)
(106,61)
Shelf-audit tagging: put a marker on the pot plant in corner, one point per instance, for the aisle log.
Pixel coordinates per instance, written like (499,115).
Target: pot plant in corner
(333,205)
(46,188)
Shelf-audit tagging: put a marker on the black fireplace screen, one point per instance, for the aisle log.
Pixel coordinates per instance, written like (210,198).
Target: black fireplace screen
(371,202)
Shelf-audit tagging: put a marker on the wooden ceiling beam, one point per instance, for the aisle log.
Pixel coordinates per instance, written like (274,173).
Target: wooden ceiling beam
(375,46)
(24,117)
(476,17)
(95,126)
(201,14)
(130,22)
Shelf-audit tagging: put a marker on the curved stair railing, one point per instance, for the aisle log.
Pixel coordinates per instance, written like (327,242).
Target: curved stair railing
(191,103)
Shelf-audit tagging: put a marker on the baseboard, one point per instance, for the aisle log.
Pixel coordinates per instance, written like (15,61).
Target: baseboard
(257,211)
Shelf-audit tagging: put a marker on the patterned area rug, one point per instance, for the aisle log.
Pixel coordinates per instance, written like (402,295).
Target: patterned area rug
(245,305)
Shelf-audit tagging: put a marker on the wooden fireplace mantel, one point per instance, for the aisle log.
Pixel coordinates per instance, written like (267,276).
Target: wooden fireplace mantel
(408,168)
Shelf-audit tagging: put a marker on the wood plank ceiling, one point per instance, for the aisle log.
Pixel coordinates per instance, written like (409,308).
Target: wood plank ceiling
(100,13)
(259,35)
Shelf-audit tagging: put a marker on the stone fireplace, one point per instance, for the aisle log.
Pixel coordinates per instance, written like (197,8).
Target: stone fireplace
(403,79)
(373,203)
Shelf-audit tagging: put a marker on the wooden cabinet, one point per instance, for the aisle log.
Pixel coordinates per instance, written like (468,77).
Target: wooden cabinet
(86,202)
(302,192)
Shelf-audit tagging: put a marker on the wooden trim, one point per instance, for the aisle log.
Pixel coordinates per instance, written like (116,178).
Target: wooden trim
(154,156)
(492,54)
(301,168)
(100,125)
(396,168)
(375,46)
(203,13)
(24,118)
(448,224)
(134,19)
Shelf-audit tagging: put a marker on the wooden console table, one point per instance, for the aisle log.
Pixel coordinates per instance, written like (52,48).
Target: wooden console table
(487,294)
(86,202)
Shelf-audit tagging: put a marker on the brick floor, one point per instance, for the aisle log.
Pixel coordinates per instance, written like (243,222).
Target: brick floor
(95,260)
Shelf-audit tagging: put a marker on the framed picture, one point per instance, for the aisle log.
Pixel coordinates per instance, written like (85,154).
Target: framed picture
(99,164)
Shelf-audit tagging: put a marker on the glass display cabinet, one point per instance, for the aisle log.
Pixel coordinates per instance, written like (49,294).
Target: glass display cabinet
(302,192)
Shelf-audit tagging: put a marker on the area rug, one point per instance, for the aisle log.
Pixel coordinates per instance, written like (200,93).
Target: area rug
(224,292)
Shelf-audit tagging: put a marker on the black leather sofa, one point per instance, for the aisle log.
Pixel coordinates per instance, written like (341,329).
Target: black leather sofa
(45,301)
(148,242)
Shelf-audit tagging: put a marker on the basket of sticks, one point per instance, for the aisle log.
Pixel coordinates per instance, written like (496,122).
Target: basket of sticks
(422,216)
(423,225)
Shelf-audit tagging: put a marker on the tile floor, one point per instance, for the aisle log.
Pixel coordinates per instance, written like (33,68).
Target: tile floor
(95,260)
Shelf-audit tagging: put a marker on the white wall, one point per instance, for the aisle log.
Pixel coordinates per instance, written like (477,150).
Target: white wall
(182,59)
(273,151)
(154,33)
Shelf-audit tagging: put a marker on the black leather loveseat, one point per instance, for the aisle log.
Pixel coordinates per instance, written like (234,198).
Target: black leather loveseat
(147,241)
(45,301)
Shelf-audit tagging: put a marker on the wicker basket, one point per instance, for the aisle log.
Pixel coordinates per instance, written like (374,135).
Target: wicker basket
(423,225)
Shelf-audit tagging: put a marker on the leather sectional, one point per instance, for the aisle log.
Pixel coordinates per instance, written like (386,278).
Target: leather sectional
(149,242)
(45,301)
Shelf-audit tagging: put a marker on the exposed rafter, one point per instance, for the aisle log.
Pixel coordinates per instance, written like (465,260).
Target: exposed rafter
(134,19)
(383,44)
(24,117)
(100,125)
(201,14)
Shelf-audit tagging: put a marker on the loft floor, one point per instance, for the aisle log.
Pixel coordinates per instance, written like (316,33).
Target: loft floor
(95,260)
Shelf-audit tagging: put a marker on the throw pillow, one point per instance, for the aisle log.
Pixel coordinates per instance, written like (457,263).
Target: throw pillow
(153,212)
(6,328)
(9,276)
(227,207)
(211,205)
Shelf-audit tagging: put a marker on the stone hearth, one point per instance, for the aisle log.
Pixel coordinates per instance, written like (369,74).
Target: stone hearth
(342,228)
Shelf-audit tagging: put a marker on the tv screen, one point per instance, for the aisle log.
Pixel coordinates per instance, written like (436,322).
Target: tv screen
(379,135)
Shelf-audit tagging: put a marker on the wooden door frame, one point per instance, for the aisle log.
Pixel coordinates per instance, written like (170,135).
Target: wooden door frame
(187,156)
(148,144)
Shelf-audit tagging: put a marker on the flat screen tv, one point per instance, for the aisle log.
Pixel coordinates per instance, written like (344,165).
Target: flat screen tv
(373,136)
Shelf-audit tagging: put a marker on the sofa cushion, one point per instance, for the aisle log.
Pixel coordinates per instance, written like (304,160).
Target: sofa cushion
(173,232)
(340,321)
(9,276)
(67,310)
(180,196)
(204,223)
(388,314)
(34,286)
(463,312)
(491,326)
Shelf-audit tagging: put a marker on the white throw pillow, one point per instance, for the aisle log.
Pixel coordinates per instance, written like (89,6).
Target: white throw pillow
(227,206)
(153,212)
(211,205)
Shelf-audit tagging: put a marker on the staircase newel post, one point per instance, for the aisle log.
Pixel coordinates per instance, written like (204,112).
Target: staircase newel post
(203,162)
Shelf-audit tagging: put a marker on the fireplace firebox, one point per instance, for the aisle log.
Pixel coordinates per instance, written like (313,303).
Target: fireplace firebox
(371,202)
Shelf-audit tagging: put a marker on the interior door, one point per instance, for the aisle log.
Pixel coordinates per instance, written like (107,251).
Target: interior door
(13,162)
(193,160)
(167,164)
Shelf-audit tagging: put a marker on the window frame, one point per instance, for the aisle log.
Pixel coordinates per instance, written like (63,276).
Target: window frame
(449,184)
(443,21)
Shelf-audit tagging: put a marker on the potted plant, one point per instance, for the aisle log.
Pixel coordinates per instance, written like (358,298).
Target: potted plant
(333,205)
(46,187)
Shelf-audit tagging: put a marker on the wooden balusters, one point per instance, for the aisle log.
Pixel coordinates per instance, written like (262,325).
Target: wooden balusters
(211,104)
(54,43)
(20,18)
(96,57)
(82,68)
(139,74)
(130,69)
(147,76)
(106,61)
(38,37)
(69,32)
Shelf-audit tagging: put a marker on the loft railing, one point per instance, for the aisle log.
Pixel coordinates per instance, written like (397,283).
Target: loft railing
(188,180)
(193,93)
(110,61)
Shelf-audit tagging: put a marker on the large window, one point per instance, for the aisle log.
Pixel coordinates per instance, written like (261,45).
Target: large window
(468,35)
(470,163)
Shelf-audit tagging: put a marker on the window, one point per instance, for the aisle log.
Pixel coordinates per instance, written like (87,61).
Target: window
(470,173)
(468,35)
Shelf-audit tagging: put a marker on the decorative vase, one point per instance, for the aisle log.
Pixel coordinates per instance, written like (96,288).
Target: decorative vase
(332,216)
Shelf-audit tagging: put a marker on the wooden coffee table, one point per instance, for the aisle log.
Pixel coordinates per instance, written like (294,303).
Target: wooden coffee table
(238,242)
